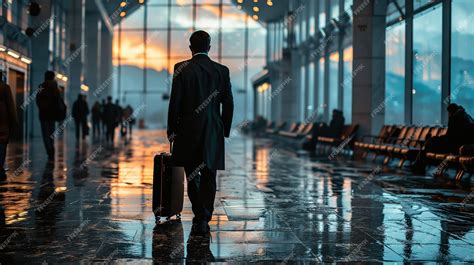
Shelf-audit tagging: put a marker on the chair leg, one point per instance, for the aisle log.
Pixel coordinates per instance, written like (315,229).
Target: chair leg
(459,174)
(386,160)
(401,163)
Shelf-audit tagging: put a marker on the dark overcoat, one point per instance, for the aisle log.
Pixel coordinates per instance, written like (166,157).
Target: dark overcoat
(8,118)
(200,112)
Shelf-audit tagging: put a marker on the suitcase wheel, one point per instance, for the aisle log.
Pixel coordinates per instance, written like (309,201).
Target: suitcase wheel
(178,216)
(157,220)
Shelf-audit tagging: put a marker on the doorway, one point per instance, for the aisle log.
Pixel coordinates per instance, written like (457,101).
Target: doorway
(16,80)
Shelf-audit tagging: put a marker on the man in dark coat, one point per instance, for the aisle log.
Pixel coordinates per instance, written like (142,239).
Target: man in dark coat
(111,116)
(47,101)
(460,132)
(334,129)
(96,119)
(80,111)
(197,126)
(8,121)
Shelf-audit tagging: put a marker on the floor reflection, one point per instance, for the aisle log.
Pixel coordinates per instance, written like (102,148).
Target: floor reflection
(93,204)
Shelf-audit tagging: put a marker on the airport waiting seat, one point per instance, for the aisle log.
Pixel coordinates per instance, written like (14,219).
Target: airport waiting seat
(466,160)
(303,130)
(276,128)
(347,135)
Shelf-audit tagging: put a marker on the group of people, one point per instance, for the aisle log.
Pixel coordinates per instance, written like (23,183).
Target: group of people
(106,117)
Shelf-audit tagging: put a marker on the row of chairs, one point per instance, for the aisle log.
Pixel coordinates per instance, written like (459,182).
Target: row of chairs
(404,142)
(296,132)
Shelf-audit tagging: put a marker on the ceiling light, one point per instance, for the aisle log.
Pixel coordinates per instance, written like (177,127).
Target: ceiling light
(240,1)
(26,60)
(84,88)
(65,78)
(123,13)
(59,76)
(269,3)
(13,54)
(255,17)
(256,9)
(123,4)
(141,1)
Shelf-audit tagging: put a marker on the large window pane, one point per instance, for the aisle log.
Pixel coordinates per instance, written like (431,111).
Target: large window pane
(462,52)
(395,74)
(310,100)
(322,14)
(427,67)
(182,17)
(347,84)
(302,93)
(333,81)
(321,103)
(157,17)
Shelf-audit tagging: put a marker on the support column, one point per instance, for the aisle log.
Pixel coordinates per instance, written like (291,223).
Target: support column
(368,108)
(91,49)
(40,57)
(105,61)
(75,57)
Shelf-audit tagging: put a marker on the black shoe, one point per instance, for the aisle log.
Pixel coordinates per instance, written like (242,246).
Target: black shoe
(3,176)
(200,228)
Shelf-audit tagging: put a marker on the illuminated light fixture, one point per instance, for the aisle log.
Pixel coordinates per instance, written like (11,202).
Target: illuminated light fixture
(255,17)
(123,4)
(2,48)
(141,1)
(269,3)
(256,9)
(65,78)
(13,54)
(123,13)
(240,1)
(255,1)
(26,60)
(59,76)
(84,88)
(239,7)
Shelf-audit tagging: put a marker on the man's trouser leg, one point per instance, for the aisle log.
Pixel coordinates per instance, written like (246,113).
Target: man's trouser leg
(47,129)
(78,127)
(3,155)
(201,191)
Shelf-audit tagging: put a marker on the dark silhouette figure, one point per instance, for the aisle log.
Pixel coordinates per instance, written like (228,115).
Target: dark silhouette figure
(197,126)
(8,121)
(102,119)
(47,101)
(96,119)
(111,118)
(80,111)
(460,132)
(333,130)
(128,121)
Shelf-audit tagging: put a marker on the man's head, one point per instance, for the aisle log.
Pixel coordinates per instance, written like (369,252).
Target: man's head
(452,108)
(49,76)
(109,99)
(200,41)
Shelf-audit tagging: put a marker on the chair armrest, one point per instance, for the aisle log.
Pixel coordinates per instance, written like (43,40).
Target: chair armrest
(467,150)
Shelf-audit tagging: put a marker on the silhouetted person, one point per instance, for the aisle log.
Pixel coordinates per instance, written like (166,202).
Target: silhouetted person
(96,119)
(128,119)
(197,126)
(460,132)
(102,119)
(80,111)
(333,130)
(8,121)
(111,116)
(47,101)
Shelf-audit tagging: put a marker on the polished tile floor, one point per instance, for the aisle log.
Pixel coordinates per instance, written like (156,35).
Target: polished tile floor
(273,205)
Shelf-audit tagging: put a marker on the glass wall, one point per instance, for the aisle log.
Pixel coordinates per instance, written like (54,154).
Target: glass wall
(427,67)
(395,74)
(347,84)
(311,87)
(147,45)
(321,103)
(302,101)
(462,55)
(333,81)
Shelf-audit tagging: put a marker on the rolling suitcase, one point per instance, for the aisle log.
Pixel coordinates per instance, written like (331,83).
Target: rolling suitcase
(168,188)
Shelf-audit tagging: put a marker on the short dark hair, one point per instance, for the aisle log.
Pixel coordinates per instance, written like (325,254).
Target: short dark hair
(49,75)
(452,108)
(200,41)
